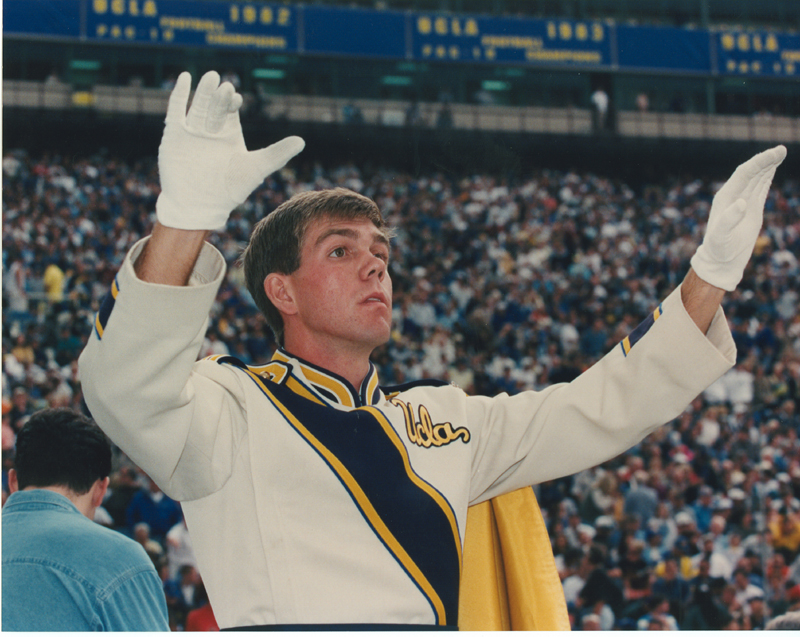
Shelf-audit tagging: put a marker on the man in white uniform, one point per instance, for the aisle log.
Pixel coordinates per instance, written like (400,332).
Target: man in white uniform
(314,495)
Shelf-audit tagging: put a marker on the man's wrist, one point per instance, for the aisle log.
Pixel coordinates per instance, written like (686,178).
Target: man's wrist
(701,299)
(169,255)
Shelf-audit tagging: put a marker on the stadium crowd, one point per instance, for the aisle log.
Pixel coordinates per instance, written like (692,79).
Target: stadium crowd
(500,284)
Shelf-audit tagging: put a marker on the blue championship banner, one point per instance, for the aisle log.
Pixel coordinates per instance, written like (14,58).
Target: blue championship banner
(43,19)
(358,32)
(663,48)
(758,53)
(408,35)
(241,25)
(510,40)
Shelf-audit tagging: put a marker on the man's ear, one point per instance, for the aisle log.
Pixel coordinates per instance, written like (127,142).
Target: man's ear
(278,288)
(13,483)
(99,489)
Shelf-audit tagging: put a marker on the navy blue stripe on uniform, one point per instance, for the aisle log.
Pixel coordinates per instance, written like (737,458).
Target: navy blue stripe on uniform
(413,517)
(635,336)
(106,306)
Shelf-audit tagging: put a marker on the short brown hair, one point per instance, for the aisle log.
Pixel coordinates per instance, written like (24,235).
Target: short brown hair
(277,239)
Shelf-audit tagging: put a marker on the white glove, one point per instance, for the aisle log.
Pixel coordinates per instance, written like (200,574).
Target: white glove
(735,221)
(204,165)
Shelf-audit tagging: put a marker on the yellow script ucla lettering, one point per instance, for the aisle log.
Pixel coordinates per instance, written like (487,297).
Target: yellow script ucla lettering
(424,433)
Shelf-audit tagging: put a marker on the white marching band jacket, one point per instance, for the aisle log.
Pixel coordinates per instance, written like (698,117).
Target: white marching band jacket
(310,501)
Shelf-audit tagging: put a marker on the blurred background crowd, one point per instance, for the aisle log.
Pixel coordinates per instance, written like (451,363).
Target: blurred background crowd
(501,284)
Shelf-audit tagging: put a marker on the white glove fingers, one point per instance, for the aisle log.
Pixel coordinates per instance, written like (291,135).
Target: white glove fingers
(764,182)
(202,96)
(275,156)
(735,221)
(756,166)
(232,118)
(749,177)
(179,98)
(219,107)
(249,169)
(753,200)
(770,158)
(203,163)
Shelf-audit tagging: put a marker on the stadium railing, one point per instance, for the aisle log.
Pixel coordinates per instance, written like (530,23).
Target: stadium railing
(530,119)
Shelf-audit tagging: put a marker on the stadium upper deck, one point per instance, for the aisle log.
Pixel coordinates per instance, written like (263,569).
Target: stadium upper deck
(709,71)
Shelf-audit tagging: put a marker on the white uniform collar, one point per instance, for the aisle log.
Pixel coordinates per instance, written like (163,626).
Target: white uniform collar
(331,388)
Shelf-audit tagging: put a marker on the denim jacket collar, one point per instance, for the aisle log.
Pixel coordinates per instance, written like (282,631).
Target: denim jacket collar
(39,499)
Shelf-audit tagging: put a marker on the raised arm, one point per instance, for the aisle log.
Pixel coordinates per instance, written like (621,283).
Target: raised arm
(700,299)
(170,255)
(138,370)
(733,226)
(205,171)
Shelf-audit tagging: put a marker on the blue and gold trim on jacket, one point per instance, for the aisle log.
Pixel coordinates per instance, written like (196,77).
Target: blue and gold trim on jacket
(635,336)
(412,519)
(101,320)
(334,388)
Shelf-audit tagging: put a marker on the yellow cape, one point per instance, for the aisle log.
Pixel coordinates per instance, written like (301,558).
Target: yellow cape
(509,579)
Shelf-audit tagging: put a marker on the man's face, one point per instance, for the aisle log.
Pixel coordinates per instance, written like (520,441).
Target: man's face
(342,291)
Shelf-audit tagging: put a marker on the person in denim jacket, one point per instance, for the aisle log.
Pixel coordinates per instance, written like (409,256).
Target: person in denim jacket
(61,571)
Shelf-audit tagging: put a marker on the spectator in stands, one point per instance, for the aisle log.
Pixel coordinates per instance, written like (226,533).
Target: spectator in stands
(179,548)
(600,109)
(21,407)
(54,282)
(706,609)
(658,615)
(601,498)
(61,571)
(594,341)
(352,114)
(53,78)
(605,532)
(785,529)
(180,594)
(664,524)
(201,618)
(744,589)
(641,500)
(444,118)
(703,576)
(653,550)
(756,613)
(152,506)
(731,600)
(672,587)
(703,508)
(154,550)
(168,83)
(123,486)
(573,577)
(591,622)
(599,587)
(15,277)
(634,570)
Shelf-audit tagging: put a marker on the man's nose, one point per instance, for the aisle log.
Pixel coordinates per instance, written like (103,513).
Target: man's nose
(375,266)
